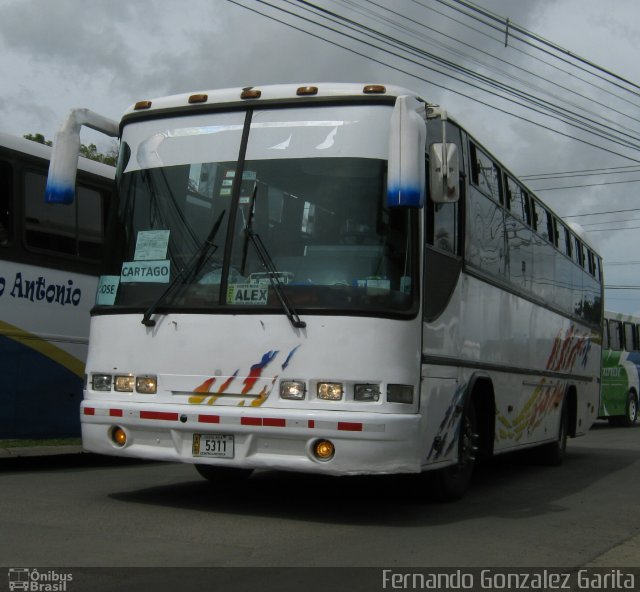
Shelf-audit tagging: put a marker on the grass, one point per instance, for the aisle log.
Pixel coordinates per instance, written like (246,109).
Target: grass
(44,442)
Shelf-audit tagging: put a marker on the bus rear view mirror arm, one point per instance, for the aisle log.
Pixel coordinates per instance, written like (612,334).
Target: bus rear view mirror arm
(444,173)
(66,149)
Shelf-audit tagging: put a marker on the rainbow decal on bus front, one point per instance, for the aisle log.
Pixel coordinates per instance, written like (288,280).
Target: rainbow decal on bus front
(203,393)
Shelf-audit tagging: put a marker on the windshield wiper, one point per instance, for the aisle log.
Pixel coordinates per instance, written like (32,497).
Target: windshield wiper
(267,262)
(191,269)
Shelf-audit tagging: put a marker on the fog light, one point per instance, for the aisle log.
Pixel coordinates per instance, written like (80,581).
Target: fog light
(400,393)
(366,392)
(331,391)
(101,382)
(119,436)
(146,385)
(292,389)
(323,450)
(123,384)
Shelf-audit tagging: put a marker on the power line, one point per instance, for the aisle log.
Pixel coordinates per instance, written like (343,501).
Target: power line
(430,80)
(602,213)
(586,185)
(544,42)
(582,173)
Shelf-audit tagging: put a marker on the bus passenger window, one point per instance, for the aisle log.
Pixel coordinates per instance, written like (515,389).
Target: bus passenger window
(444,227)
(74,229)
(485,174)
(630,337)
(6,213)
(518,201)
(615,335)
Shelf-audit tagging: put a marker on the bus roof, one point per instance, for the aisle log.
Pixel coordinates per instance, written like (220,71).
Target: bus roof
(38,150)
(274,92)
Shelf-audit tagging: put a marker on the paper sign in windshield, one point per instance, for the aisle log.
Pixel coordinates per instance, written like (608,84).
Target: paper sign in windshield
(151,245)
(145,271)
(247,294)
(107,290)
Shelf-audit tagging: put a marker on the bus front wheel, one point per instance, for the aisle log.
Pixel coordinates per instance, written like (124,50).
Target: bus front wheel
(450,483)
(631,411)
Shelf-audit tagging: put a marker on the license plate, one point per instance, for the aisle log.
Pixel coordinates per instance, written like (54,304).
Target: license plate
(213,445)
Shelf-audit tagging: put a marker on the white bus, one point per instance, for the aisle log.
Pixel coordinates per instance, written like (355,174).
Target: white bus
(332,278)
(50,258)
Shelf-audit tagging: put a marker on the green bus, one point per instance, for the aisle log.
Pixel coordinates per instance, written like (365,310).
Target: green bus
(620,366)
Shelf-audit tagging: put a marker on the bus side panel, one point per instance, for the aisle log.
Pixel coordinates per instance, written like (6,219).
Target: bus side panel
(530,354)
(39,398)
(619,376)
(44,324)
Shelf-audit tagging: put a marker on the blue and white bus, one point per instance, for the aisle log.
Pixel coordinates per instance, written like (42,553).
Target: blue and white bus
(332,278)
(50,257)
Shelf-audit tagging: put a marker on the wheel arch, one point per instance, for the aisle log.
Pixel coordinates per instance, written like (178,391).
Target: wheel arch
(571,402)
(481,395)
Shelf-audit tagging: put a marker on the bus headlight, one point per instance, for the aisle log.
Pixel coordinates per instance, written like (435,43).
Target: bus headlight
(147,385)
(331,391)
(292,389)
(123,384)
(400,393)
(366,392)
(101,382)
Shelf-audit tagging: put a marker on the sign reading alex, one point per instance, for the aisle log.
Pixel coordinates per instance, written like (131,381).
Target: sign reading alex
(248,294)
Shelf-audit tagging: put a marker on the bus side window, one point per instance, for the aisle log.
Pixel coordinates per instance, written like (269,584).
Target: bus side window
(485,174)
(615,335)
(74,229)
(6,209)
(630,337)
(518,201)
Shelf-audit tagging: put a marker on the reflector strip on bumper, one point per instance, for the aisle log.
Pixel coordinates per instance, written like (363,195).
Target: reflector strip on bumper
(245,420)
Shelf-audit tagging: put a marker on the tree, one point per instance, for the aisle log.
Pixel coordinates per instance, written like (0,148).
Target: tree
(90,151)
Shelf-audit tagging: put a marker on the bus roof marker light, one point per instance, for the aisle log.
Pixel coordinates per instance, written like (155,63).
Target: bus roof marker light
(250,93)
(140,105)
(307,90)
(199,98)
(374,89)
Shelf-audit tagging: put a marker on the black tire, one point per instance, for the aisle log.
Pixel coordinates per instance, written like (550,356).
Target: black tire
(451,483)
(631,411)
(553,454)
(217,474)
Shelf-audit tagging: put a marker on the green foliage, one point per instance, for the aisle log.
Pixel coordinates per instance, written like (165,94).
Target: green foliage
(38,138)
(90,151)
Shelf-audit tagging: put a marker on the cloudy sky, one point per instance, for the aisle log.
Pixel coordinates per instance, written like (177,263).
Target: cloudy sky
(108,54)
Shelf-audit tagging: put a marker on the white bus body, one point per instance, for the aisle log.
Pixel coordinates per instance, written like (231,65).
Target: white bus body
(49,262)
(283,295)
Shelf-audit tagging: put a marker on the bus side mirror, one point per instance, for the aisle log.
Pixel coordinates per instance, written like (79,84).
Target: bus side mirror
(407,144)
(444,173)
(61,181)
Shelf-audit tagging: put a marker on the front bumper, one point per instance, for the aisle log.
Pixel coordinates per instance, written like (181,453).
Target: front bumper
(282,439)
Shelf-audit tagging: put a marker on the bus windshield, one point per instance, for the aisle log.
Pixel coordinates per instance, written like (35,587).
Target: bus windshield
(195,195)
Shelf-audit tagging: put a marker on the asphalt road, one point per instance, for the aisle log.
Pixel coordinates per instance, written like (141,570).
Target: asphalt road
(85,510)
